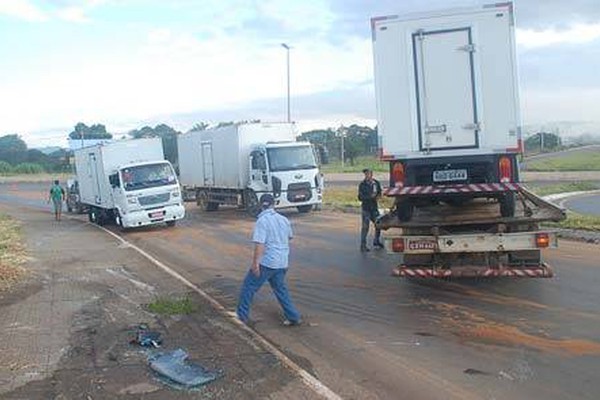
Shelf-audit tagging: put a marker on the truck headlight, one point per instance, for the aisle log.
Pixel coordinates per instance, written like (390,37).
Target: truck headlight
(132,200)
(175,194)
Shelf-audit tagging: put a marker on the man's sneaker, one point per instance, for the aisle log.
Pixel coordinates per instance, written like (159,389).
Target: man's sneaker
(287,322)
(378,244)
(364,249)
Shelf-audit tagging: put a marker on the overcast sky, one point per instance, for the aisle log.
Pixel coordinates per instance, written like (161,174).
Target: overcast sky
(126,63)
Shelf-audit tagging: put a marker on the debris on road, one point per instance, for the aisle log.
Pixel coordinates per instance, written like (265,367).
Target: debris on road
(174,366)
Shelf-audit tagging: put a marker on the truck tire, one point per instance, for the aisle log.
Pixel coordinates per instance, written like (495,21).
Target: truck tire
(171,224)
(251,203)
(69,208)
(404,210)
(507,205)
(304,209)
(93,215)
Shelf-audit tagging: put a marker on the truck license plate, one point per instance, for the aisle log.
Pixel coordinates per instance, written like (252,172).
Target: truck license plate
(450,175)
(422,244)
(157,214)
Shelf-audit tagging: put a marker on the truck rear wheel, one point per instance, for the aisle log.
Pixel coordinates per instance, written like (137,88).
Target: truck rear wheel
(304,209)
(507,205)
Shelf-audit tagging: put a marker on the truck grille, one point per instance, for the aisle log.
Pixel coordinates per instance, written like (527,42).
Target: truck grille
(299,192)
(154,199)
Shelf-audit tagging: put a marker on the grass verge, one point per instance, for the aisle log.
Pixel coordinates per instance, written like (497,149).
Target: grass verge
(34,178)
(360,163)
(347,197)
(12,252)
(172,306)
(563,188)
(578,221)
(580,161)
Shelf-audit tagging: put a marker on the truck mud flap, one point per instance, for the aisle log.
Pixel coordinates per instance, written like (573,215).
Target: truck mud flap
(541,271)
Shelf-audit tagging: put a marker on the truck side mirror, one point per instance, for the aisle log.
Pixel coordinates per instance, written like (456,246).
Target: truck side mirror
(114,180)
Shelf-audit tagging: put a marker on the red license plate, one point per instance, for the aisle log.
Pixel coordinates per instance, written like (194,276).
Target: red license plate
(157,214)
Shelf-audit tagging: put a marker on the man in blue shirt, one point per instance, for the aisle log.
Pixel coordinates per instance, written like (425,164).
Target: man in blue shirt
(271,237)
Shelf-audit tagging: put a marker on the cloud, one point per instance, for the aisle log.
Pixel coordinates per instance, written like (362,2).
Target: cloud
(575,34)
(22,9)
(73,14)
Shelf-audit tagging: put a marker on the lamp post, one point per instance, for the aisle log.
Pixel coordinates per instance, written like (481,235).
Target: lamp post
(287,48)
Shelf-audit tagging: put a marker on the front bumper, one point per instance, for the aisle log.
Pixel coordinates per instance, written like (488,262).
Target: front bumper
(155,216)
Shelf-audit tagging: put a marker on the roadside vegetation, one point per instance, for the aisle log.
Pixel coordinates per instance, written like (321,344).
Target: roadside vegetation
(12,252)
(562,188)
(172,306)
(579,161)
(578,221)
(360,163)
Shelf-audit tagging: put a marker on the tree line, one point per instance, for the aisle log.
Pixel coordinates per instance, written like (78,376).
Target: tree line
(16,157)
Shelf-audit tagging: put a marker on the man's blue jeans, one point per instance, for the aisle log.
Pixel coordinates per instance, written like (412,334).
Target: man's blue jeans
(252,283)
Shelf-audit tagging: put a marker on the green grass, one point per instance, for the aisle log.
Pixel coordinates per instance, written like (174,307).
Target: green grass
(172,306)
(578,221)
(360,163)
(12,252)
(580,161)
(562,188)
(347,197)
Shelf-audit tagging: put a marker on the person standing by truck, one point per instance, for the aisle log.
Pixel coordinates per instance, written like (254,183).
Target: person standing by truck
(57,196)
(369,192)
(271,237)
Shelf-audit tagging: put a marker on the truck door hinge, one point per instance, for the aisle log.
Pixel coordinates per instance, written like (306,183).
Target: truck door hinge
(467,47)
(472,126)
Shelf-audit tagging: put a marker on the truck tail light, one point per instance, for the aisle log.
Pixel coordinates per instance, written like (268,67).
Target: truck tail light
(398,245)
(505,169)
(542,240)
(397,174)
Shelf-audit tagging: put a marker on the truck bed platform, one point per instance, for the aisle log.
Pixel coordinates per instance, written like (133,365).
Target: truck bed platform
(530,209)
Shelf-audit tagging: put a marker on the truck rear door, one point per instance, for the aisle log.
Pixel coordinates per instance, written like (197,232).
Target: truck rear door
(208,164)
(445,85)
(95,178)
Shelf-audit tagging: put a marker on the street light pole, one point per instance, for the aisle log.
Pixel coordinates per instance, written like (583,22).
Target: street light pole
(287,48)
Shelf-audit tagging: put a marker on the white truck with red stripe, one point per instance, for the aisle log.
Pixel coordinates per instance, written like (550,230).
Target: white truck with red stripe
(449,126)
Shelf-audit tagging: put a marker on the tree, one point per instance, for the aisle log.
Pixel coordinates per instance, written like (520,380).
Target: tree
(200,126)
(542,141)
(13,149)
(168,136)
(96,131)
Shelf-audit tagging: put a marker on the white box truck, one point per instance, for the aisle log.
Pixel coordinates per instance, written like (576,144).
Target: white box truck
(129,183)
(448,120)
(448,105)
(236,164)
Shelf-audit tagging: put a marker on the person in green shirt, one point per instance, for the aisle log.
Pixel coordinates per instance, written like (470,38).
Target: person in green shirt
(57,195)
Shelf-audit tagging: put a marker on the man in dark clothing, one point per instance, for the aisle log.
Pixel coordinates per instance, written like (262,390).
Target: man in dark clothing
(369,191)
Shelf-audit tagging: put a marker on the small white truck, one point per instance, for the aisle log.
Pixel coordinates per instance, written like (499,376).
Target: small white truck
(129,183)
(449,126)
(236,164)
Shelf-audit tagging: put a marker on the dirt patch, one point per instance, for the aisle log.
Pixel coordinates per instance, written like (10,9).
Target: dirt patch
(12,253)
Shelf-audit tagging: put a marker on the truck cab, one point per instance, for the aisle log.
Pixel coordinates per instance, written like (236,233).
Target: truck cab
(146,193)
(289,171)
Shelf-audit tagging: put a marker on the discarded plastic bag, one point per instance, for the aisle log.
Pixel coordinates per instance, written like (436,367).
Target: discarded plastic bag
(174,365)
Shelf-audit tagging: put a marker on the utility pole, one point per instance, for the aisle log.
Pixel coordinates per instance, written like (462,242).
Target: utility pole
(287,48)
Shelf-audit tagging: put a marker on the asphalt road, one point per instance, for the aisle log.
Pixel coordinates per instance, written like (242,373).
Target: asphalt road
(584,204)
(370,335)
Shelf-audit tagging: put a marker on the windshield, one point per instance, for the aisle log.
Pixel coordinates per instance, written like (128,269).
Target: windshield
(147,176)
(291,158)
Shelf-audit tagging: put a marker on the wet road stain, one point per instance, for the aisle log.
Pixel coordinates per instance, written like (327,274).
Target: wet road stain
(470,326)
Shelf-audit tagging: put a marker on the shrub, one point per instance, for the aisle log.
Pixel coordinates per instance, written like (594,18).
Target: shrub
(5,167)
(28,168)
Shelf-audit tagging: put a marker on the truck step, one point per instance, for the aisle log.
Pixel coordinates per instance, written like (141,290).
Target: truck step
(540,271)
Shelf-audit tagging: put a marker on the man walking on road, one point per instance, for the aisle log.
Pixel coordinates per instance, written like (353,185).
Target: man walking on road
(57,196)
(271,237)
(369,192)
